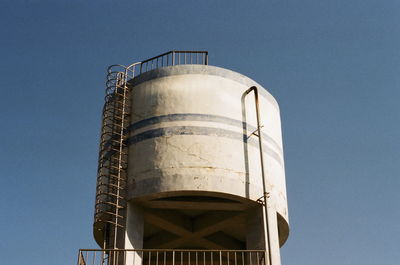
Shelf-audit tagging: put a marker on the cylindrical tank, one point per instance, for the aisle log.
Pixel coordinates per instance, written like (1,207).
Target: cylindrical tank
(194,155)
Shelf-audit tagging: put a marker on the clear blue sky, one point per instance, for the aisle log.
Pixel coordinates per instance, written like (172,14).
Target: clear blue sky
(332,65)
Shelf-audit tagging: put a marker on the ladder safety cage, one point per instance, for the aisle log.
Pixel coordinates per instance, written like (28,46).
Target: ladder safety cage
(109,217)
(110,206)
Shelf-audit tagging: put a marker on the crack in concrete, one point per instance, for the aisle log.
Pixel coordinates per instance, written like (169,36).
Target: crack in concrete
(187,151)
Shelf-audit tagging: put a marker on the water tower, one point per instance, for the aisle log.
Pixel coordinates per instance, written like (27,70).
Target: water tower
(191,167)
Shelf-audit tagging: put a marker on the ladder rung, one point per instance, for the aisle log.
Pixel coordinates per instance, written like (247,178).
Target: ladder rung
(112,214)
(109,194)
(121,187)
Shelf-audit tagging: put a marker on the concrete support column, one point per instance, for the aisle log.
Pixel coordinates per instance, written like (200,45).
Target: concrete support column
(274,236)
(255,233)
(255,230)
(134,234)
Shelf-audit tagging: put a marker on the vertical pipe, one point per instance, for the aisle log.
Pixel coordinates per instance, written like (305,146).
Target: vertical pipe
(265,197)
(102,257)
(265,257)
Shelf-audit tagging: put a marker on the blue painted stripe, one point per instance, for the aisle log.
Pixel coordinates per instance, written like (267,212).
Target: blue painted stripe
(185,117)
(185,130)
(196,130)
(199,117)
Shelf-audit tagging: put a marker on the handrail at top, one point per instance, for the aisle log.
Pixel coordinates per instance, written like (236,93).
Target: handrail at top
(170,58)
(172,52)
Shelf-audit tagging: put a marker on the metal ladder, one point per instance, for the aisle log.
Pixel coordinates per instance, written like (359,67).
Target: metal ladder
(110,207)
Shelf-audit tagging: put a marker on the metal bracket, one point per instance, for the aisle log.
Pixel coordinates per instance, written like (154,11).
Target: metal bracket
(261,200)
(255,132)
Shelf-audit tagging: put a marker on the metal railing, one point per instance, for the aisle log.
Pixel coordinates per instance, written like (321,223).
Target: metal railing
(171,257)
(174,58)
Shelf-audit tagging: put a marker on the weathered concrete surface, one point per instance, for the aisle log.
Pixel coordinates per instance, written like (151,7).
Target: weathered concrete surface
(191,136)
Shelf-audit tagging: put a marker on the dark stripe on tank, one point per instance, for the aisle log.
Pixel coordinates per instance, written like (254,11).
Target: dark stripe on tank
(199,117)
(206,131)
(185,117)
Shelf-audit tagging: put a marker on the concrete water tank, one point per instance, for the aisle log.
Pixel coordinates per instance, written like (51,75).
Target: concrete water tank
(194,175)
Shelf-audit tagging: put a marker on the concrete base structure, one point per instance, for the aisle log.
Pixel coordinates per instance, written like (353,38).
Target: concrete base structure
(195,226)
